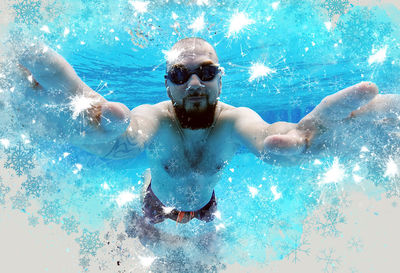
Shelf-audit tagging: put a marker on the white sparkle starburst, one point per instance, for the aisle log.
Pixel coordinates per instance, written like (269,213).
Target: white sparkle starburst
(237,22)
(378,56)
(79,104)
(277,195)
(335,173)
(328,25)
(146,261)
(172,55)
(45,29)
(5,142)
(125,197)
(259,70)
(202,2)
(139,6)
(167,210)
(198,24)
(275,5)
(253,191)
(391,169)
(66,32)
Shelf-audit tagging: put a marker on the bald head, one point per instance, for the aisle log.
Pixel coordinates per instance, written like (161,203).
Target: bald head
(190,48)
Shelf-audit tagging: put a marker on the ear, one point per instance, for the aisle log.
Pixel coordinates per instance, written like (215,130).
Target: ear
(168,89)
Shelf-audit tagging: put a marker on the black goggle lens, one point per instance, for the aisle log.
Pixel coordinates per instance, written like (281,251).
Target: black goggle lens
(180,74)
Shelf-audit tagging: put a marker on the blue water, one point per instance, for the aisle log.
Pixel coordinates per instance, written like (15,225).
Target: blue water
(118,51)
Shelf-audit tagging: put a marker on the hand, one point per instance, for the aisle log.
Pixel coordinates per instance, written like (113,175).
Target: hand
(327,116)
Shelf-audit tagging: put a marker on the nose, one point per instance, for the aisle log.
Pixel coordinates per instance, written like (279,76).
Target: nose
(194,82)
(194,85)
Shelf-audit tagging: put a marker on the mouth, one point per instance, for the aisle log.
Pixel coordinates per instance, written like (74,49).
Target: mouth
(196,98)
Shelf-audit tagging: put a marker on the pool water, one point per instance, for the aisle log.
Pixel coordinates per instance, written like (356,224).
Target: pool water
(280,59)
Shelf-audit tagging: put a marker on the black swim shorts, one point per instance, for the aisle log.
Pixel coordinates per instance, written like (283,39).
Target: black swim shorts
(153,210)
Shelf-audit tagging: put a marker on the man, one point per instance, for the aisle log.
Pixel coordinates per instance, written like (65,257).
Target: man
(190,138)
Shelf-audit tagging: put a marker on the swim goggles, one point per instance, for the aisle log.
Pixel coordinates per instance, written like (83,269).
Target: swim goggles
(179,74)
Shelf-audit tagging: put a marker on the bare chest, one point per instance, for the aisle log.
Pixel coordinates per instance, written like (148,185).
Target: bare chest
(181,156)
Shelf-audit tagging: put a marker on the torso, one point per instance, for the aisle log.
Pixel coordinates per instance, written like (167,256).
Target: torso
(186,164)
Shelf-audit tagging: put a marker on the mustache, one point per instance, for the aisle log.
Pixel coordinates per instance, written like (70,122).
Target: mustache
(195,95)
(189,88)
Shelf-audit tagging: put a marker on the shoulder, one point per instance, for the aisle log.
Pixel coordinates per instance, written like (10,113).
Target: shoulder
(231,113)
(157,111)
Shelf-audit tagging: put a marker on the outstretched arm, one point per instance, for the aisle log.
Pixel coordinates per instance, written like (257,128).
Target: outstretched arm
(144,123)
(86,119)
(287,142)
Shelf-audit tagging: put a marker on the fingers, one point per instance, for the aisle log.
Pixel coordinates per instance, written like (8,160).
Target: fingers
(340,105)
(382,106)
(288,144)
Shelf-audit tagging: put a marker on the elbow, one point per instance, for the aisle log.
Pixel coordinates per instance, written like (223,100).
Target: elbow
(114,118)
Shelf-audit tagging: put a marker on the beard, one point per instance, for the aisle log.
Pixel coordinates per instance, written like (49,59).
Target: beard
(195,118)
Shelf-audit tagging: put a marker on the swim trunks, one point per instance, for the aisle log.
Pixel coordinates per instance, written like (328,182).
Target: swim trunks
(155,211)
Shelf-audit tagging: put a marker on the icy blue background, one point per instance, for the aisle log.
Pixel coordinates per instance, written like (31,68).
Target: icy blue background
(111,42)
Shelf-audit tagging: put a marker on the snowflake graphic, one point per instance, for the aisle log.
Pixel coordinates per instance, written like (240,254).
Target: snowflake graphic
(31,106)
(336,6)
(120,253)
(264,156)
(156,150)
(20,201)
(102,265)
(89,242)
(277,222)
(355,244)
(353,270)
(19,159)
(331,263)
(27,11)
(329,226)
(33,186)
(392,187)
(50,185)
(51,212)
(84,262)
(294,247)
(362,26)
(3,191)
(33,221)
(340,199)
(70,225)
(121,237)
